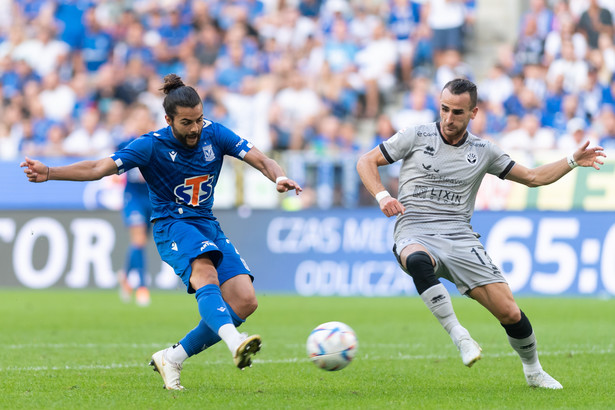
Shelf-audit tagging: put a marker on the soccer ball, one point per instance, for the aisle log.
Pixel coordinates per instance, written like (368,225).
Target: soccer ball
(332,345)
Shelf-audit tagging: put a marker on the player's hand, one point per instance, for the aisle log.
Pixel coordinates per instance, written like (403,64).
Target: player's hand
(391,206)
(288,185)
(589,157)
(35,170)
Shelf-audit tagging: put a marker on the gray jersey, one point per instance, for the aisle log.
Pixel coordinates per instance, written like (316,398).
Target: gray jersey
(438,182)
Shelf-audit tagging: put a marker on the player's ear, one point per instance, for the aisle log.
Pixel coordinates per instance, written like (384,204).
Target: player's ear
(474,111)
(168,119)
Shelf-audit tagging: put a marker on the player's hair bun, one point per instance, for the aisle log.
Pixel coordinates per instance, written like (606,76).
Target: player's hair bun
(171,82)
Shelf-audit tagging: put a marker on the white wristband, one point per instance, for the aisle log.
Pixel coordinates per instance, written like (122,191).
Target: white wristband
(571,162)
(381,195)
(280,179)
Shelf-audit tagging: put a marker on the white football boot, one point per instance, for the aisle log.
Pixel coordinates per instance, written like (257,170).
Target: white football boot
(247,349)
(470,351)
(543,380)
(168,370)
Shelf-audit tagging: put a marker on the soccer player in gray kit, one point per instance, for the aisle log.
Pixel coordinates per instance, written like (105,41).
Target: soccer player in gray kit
(442,168)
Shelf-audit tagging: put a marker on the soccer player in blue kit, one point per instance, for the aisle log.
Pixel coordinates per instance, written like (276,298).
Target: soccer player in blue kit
(136,212)
(181,164)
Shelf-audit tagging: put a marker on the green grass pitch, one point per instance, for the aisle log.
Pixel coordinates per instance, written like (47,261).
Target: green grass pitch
(85,349)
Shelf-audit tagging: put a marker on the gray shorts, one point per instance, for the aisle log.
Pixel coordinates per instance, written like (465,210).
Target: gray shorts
(462,259)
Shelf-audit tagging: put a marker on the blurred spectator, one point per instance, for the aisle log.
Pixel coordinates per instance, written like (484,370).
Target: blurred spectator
(97,43)
(590,97)
(573,69)
(497,87)
(11,132)
(419,108)
(133,81)
(384,130)
(69,17)
(553,101)
(339,49)
(446,19)
(451,67)
(566,32)
(403,19)
(309,8)
(58,99)
(575,136)
(291,121)
(540,16)
(207,44)
(248,109)
(376,63)
(337,95)
(593,21)
(605,128)
(529,47)
(43,53)
(133,46)
(529,139)
(54,143)
(90,138)
(232,69)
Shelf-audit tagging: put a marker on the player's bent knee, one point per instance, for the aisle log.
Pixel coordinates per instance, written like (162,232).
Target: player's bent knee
(244,307)
(510,314)
(419,266)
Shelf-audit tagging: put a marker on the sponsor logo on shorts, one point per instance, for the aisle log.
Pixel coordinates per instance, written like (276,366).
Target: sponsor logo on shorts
(207,244)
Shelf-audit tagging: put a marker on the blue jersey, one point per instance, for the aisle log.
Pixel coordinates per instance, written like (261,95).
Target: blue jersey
(181,180)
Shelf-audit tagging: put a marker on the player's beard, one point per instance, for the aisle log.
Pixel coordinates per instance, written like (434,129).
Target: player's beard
(454,132)
(184,138)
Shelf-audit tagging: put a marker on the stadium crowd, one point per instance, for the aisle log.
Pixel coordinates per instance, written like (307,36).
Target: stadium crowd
(299,75)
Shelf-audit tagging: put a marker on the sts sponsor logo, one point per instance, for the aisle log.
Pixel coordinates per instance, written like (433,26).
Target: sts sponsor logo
(194,190)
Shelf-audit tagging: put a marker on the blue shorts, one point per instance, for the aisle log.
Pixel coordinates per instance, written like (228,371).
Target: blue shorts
(181,241)
(448,39)
(137,210)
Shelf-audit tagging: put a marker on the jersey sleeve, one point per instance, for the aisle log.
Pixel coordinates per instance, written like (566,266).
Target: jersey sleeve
(135,154)
(396,147)
(501,163)
(231,143)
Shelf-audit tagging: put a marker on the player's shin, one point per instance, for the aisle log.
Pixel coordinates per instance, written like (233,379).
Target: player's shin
(522,339)
(438,300)
(215,313)
(434,294)
(202,337)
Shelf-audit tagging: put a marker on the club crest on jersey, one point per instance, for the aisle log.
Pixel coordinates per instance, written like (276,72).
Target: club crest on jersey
(429,151)
(471,158)
(209,153)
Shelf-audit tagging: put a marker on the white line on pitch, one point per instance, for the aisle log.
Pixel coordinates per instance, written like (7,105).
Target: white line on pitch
(294,360)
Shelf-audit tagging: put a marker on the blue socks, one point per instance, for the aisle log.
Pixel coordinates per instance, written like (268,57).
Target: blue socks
(136,261)
(210,305)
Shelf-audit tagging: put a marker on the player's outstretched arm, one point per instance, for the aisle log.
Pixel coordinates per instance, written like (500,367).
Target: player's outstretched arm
(271,170)
(89,170)
(367,167)
(549,173)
